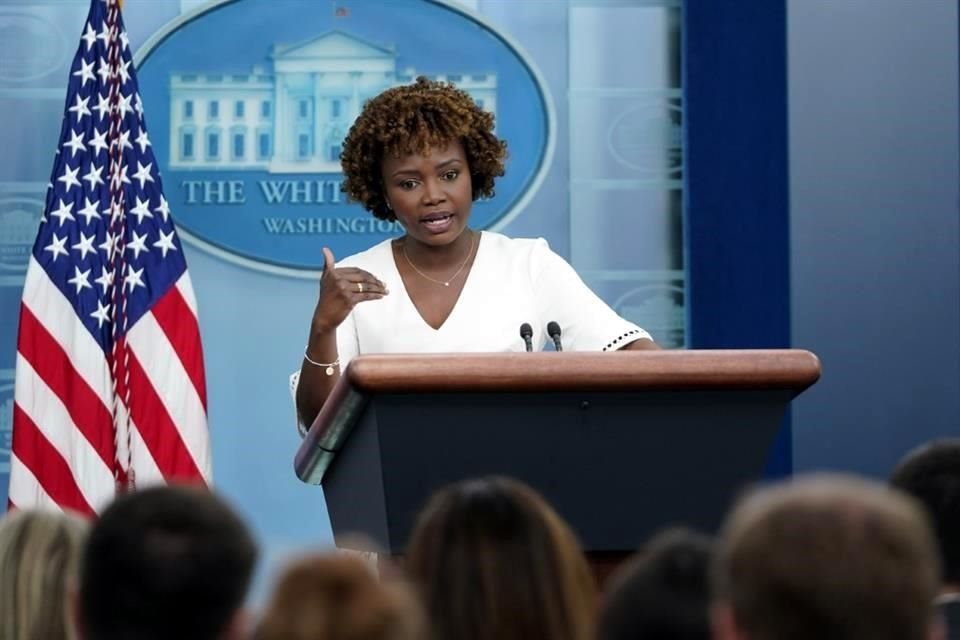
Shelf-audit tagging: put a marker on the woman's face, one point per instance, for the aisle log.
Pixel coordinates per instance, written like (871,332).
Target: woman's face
(431,195)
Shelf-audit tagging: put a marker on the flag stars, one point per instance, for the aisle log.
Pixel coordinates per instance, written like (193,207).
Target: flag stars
(89,36)
(93,176)
(122,178)
(102,314)
(99,142)
(103,70)
(84,161)
(138,244)
(80,108)
(142,139)
(124,140)
(134,278)
(165,243)
(75,143)
(108,244)
(142,210)
(164,208)
(143,173)
(125,106)
(103,108)
(80,279)
(57,247)
(105,280)
(64,212)
(104,35)
(89,211)
(124,71)
(85,245)
(85,72)
(69,177)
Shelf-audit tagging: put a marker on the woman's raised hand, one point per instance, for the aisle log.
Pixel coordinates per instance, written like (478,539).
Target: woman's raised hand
(340,290)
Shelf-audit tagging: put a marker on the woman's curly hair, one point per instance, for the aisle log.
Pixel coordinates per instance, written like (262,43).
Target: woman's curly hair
(415,118)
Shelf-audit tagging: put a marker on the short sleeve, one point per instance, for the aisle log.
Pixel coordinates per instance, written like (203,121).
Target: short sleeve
(348,346)
(587,323)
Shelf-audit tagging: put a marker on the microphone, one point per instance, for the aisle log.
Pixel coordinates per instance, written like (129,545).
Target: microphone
(553,330)
(526,332)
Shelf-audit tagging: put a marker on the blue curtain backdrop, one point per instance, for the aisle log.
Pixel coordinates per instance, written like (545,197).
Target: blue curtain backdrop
(737,200)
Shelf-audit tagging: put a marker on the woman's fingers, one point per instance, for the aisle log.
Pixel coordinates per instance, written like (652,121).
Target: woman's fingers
(356,274)
(351,288)
(367,287)
(366,280)
(328,262)
(366,295)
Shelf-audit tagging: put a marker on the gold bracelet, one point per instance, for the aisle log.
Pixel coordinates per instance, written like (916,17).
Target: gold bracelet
(329,365)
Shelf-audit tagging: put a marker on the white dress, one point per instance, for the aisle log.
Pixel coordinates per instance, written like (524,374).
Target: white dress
(512,281)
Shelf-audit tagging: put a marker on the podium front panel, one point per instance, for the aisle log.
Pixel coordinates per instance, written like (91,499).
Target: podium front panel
(616,465)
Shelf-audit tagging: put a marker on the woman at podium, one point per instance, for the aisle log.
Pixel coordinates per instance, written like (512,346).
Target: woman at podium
(420,155)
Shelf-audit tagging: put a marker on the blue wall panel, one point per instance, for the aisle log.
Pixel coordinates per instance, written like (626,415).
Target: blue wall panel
(737,213)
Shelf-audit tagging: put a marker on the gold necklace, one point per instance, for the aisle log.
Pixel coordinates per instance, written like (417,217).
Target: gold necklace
(447,282)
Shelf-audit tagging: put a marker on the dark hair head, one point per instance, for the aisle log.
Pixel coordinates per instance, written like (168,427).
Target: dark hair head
(831,557)
(416,118)
(493,561)
(165,562)
(931,474)
(663,592)
(335,596)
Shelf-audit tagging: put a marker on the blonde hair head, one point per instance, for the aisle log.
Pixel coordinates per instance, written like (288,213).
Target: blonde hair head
(39,558)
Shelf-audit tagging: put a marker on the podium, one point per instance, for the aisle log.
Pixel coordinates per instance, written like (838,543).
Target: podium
(621,444)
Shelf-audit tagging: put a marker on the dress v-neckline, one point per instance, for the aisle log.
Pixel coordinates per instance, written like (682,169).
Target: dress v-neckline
(457,303)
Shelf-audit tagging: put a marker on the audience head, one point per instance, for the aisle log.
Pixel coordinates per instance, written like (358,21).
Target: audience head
(931,474)
(826,557)
(416,119)
(494,561)
(39,556)
(336,596)
(165,562)
(663,593)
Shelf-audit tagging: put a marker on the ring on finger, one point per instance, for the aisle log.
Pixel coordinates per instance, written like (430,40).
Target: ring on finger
(360,287)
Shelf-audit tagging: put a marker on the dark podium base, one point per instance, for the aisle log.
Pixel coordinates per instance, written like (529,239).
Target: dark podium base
(617,465)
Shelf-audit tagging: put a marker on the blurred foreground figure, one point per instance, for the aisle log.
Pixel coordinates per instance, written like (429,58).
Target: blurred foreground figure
(493,561)
(826,557)
(163,563)
(931,474)
(663,593)
(336,596)
(39,556)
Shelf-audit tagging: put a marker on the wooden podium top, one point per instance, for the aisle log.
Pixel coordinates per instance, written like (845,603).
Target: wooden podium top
(584,371)
(791,370)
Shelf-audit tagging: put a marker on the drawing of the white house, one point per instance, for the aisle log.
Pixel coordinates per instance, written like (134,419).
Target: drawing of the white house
(293,118)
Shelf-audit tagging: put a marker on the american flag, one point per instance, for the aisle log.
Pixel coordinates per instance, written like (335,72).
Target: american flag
(109,376)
